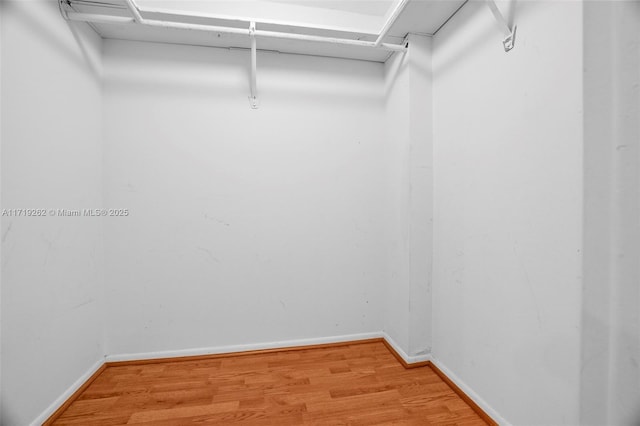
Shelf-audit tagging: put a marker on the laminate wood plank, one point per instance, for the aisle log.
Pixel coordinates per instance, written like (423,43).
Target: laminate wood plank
(179,412)
(89,406)
(351,384)
(115,419)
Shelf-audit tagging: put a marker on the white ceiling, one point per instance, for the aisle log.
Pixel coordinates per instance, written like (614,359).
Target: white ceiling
(355,19)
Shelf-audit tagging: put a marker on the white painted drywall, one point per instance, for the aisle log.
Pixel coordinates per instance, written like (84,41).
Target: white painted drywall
(51,158)
(508,208)
(1,263)
(409,135)
(420,163)
(610,373)
(246,226)
(398,133)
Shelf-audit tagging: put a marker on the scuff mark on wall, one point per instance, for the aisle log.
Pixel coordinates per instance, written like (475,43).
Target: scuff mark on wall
(208,252)
(86,302)
(4,236)
(50,243)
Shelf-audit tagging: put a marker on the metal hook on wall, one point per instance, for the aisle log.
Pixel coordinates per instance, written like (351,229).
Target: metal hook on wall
(510,33)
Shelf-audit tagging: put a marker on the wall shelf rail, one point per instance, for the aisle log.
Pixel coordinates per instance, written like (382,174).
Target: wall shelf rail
(138,16)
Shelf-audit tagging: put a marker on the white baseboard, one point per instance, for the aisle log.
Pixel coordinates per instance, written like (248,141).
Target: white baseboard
(470,393)
(241,348)
(407,358)
(67,394)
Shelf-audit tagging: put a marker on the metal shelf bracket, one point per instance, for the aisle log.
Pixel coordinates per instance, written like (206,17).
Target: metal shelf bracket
(137,18)
(510,32)
(253,97)
(510,41)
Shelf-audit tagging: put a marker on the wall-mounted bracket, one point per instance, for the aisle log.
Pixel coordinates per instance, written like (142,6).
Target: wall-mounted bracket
(253,97)
(510,33)
(510,41)
(138,18)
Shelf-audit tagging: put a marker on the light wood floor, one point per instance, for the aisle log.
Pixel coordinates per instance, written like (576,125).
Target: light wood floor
(358,384)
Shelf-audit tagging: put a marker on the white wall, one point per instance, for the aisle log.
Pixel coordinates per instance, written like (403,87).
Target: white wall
(246,226)
(508,208)
(51,158)
(610,373)
(409,135)
(1,263)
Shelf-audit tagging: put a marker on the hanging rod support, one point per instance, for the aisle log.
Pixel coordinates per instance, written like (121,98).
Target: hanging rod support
(510,33)
(391,20)
(253,98)
(135,11)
